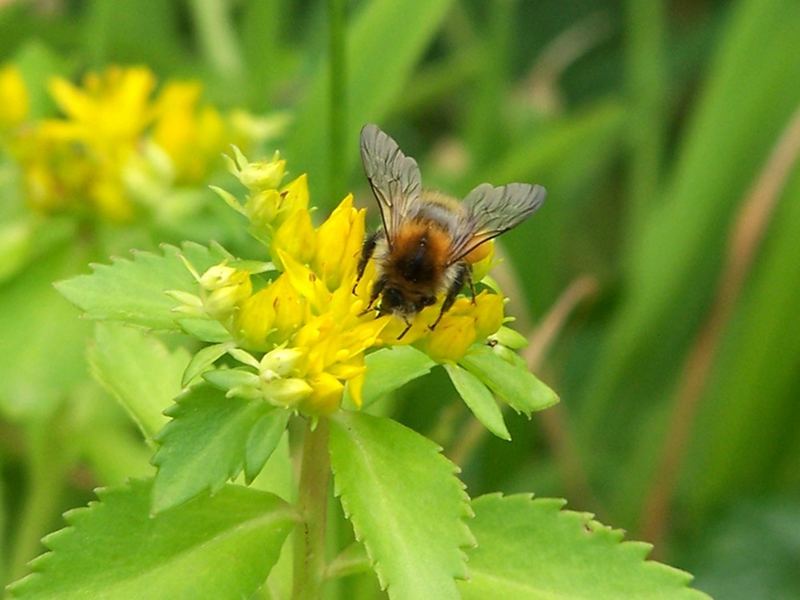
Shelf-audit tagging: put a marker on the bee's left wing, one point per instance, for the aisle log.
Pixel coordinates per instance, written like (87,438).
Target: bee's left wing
(490,211)
(393,176)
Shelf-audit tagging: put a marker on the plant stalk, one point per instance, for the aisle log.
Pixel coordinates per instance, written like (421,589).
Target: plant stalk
(337,64)
(46,467)
(646,75)
(309,550)
(217,37)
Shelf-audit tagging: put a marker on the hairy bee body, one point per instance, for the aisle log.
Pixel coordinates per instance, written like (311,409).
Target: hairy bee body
(428,240)
(415,268)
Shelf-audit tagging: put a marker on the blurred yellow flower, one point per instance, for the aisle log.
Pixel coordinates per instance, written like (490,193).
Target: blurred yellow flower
(13,98)
(193,136)
(108,113)
(115,134)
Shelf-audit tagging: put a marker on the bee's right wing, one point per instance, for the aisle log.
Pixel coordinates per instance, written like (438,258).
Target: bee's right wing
(490,211)
(393,176)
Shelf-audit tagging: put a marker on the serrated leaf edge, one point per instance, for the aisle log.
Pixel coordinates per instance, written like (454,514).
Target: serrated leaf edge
(234,471)
(74,516)
(167,251)
(593,527)
(467,542)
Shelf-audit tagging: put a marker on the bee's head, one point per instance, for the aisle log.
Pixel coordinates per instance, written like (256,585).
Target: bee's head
(393,300)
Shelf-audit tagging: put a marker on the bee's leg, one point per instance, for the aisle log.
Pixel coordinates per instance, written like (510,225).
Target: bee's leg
(377,288)
(367,251)
(471,284)
(405,331)
(458,282)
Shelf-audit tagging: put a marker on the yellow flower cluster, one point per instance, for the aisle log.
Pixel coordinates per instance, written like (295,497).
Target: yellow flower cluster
(308,322)
(114,129)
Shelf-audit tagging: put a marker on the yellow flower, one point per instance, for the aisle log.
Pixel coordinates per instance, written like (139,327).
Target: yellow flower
(483,257)
(488,312)
(13,98)
(270,315)
(451,339)
(326,394)
(339,241)
(463,325)
(310,321)
(295,236)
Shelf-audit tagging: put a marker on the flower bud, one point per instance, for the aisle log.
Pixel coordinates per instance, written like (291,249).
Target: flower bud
(262,208)
(217,277)
(257,175)
(280,363)
(286,392)
(221,302)
(229,287)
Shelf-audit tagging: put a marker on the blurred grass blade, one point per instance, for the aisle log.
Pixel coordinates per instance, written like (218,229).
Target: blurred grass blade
(752,411)
(749,96)
(384,42)
(646,82)
(485,123)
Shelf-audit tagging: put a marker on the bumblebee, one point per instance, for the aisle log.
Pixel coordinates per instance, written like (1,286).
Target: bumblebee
(428,241)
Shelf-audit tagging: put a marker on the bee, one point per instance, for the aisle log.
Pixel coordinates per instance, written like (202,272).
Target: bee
(428,241)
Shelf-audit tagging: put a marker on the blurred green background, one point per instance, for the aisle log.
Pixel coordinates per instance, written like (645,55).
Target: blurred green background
(658,284)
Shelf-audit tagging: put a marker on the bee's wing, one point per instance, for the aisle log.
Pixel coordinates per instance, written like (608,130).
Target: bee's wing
(393,176)
(490,211)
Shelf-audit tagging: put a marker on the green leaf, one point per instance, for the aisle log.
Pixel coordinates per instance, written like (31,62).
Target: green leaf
(375,79)
(204,359)
(230,379)
(514,384)
(213,547)
(134,290)
(350,561)
(263,439)
(204,445)
(205,330)
(139,371)
(531,549)
(389,369)
(479,400)
(405,502)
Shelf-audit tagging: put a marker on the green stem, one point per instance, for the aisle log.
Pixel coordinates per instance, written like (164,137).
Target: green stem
(309,550)
(337,65)
(217,37)
(46,468)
